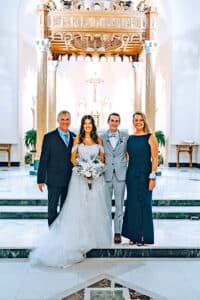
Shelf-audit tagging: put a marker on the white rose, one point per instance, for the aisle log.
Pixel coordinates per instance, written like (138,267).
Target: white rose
(88,174)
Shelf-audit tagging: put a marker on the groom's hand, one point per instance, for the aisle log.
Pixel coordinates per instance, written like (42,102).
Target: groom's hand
(41,186)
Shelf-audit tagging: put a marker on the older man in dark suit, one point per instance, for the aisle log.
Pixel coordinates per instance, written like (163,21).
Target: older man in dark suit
(55,167)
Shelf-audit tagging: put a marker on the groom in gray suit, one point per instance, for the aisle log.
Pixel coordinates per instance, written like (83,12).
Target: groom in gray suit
(114,143)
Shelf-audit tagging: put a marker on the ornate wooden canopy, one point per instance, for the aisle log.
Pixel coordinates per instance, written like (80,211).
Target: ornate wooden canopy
(75,29)
(119,29)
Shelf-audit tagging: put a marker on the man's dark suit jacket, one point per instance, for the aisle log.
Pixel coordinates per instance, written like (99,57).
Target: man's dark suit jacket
(55,167)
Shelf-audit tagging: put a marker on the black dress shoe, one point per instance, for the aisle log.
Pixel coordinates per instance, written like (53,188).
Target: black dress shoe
(117,238)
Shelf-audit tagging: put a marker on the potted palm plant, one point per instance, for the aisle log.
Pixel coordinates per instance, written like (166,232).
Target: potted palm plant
(30,141)
(160,136)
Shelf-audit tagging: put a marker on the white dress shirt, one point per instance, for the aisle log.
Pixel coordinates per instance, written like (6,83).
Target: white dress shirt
(114,137)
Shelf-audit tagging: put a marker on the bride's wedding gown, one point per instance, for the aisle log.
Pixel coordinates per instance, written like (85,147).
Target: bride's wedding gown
(82,224)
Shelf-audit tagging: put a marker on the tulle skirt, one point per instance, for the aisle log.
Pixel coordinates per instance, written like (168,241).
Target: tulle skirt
(83,224)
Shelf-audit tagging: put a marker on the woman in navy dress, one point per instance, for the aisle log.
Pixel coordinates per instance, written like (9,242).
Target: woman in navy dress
(142,148)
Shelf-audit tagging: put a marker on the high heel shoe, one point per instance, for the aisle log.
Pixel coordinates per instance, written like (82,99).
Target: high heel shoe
(131,242)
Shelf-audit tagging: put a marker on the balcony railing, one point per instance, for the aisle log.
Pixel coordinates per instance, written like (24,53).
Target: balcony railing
(93,21)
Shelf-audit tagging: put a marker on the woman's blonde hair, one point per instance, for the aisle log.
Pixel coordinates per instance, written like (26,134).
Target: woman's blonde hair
(146,126)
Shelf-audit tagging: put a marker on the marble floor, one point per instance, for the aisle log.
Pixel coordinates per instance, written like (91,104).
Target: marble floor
(154,278)
(168,233)
(174,279)
(182,183)
(176,184)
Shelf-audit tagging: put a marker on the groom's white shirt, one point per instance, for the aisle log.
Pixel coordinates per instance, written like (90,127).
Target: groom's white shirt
(113,138)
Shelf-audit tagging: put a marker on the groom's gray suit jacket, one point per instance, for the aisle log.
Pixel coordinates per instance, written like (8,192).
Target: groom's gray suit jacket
(115,157)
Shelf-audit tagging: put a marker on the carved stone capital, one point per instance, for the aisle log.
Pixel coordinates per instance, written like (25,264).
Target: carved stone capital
(45,4)
(53,65)
(42,45)
(137,66)
(150,46)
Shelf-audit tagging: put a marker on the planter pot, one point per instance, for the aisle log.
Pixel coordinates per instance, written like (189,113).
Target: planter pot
(36,164)
(35,167)
(158,173)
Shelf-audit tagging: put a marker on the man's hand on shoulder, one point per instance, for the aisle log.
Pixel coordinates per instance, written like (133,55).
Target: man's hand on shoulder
(41,186)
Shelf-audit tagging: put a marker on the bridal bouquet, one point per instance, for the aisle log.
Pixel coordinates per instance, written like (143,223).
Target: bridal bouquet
(90,169)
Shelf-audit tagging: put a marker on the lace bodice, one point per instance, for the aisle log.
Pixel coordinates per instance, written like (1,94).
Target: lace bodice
(88,152)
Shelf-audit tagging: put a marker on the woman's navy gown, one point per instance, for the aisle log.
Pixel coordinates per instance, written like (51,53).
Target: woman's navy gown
(138,221)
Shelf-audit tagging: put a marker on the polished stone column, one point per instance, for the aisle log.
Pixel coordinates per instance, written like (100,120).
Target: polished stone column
(138,87)
(51,106)
(41,106)
(150,103)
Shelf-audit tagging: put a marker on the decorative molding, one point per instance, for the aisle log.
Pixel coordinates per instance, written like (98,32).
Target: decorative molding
(150,46)
(43,45)
(50,4)
(96,29)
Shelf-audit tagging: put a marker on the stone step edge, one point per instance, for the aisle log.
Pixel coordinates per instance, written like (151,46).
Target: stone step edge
(43,209)
(116,252)
(156,215)
(155,202)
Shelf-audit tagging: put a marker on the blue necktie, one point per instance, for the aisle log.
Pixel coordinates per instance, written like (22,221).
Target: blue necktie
(66,138)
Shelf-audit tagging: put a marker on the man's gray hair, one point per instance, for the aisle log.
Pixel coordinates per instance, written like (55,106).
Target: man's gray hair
(63,112)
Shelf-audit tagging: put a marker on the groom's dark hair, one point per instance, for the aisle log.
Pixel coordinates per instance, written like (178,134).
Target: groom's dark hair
(114,114)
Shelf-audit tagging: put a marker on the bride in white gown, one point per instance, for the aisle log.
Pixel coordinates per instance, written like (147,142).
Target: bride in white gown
(84,222)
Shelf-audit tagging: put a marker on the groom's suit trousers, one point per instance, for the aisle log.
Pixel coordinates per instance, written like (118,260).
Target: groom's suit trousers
(118,188)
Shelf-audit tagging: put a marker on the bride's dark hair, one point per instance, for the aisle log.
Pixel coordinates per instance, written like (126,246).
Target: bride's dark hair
(93,133)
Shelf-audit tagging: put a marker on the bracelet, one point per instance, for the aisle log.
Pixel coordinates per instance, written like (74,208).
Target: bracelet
(152,176)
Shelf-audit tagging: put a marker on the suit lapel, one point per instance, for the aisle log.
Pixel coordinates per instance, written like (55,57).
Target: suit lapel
(120,140)
(71,138)
(108,140)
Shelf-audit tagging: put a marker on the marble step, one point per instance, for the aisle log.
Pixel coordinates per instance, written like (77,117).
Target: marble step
(173,238)
(23,202)
(40,212)
(155,202)
(117,252)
